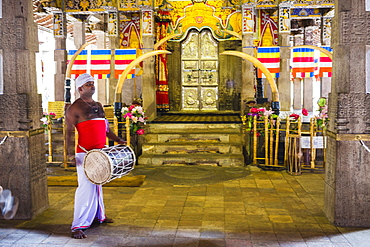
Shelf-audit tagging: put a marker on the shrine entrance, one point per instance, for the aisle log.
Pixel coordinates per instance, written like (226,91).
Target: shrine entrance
(199,79)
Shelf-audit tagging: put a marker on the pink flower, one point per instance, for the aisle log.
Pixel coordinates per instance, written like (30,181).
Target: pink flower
(129,114)
(52,114)
(268,113)
(140,132)
(141,119)
(304,112)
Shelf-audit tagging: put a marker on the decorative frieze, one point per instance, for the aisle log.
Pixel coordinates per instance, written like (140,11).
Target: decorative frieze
(12,35)
(354,28)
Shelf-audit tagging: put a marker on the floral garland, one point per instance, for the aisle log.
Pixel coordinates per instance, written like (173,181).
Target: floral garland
(136,114)
(47,119)
(322,119)
(260,113)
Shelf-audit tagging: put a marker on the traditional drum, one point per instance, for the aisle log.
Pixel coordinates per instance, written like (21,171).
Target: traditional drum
(103,165)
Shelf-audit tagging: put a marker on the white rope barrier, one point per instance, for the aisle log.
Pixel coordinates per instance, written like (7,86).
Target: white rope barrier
(3,140)
(364,145)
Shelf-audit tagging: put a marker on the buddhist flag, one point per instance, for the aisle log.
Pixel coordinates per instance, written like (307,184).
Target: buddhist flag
(80,64)
(270,57)
(303,65)
(100,63)
(326,63)
(123,57)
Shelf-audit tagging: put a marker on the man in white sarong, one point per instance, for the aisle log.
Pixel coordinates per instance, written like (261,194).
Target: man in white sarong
(88,117)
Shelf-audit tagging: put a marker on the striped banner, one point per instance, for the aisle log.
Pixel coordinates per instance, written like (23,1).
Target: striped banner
(303,65)
(326,63)
(80,64)
(270,57)
(123,57)
(100,64)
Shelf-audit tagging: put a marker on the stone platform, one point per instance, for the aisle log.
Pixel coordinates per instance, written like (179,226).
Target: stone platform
(214,143)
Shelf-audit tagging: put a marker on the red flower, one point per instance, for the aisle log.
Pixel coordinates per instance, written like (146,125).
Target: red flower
(304,112)
(140,132)
(131,107)
(261,110)
(254,110)
(295,116)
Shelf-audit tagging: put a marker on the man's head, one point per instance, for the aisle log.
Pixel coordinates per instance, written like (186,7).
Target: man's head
(83,79)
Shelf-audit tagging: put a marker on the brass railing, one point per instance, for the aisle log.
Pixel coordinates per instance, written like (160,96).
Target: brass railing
(266,134)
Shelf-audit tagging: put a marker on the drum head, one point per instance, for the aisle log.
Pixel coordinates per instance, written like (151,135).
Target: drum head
(98,167)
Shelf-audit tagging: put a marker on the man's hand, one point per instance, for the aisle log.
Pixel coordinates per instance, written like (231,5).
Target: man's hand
(122,142)
(71,158)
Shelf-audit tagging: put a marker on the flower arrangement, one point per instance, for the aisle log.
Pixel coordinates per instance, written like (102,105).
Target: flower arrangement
(322,119)
(137,118)
(47,119)
(260,113)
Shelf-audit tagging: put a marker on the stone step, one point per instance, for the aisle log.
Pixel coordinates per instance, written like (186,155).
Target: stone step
(194,128)
(214,159)
(186,137)
(188,148)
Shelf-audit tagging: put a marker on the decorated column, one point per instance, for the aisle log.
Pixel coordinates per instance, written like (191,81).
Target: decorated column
(347,180)
(284,83)
(148,78)
(60,54)
(22,154)
(248,77)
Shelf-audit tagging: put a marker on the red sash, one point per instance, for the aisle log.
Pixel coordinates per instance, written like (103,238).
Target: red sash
(91,134)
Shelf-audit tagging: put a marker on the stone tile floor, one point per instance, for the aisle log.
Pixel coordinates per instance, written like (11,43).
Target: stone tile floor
(260,208)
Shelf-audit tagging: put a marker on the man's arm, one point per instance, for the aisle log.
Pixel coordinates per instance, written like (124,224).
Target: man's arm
(114,137)
(70,121)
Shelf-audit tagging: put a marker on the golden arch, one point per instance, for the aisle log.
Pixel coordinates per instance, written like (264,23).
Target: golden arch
(129,68)
(258,64)
(326,52)
(235,34)
(72,61)
(162,41)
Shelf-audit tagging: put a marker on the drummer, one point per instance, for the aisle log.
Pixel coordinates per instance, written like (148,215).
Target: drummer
(88,117)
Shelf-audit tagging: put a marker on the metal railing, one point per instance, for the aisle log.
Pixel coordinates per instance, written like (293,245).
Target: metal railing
(269,135)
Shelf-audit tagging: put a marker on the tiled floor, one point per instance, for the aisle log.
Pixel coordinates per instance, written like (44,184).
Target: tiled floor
(259,208)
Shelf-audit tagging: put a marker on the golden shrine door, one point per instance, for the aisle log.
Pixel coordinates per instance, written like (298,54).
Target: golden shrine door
(199,79)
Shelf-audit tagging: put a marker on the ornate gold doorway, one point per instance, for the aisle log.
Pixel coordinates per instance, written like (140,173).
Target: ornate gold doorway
(199,64)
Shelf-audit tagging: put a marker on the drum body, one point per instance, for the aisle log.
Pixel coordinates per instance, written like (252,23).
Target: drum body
(103,165)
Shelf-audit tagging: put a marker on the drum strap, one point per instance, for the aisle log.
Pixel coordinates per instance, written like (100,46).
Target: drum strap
(84,149)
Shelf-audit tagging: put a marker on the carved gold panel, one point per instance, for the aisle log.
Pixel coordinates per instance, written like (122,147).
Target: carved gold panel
(190,47)
(209,97)
(190,97)
(199,64)
(190,73)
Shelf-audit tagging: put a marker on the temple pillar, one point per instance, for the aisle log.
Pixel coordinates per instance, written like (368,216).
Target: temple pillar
(308,93)
(60,58)
(297,93)
(247,85)
(283,82)
(113,44)
(101,83)
(325,86)
(22,153)
(347,178)
(148,80)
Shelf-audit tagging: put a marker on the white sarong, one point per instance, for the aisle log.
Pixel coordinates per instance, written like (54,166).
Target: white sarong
(89,205)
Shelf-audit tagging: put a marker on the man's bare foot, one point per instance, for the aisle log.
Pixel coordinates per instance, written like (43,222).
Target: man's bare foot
(78,234)
(108,220)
